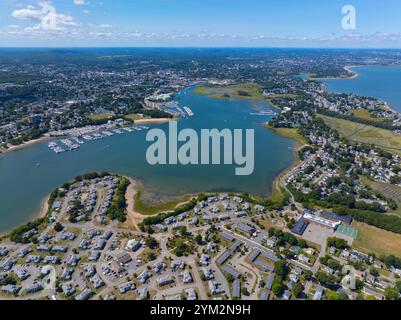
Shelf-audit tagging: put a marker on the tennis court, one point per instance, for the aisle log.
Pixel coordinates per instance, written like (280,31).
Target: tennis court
(347,231)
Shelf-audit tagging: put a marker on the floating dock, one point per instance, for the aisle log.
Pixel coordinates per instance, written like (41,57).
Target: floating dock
(75,142)
(188,111)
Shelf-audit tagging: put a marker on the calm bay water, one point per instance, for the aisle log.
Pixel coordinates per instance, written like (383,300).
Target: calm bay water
(28,175)
(381,82)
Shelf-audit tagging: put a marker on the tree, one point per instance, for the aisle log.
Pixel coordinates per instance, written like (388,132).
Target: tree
(332,295)
(391,293)
(244,291)
(325,279)
(337,243)
(392,261)
(308,275)
(278,287)
(297,289)
(198,239)
(8,280)
(229,278)
(58,227)
(302,243)
(281,268)
(152,256)
(183,231)
(374,272)
(151,243)
(181,249)
(398,286)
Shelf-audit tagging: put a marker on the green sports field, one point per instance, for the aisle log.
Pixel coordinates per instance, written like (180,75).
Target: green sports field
(347,231)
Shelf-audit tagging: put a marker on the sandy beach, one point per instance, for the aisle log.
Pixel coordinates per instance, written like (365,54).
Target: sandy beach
(44,208)
(156,120)
(133,218)
(277,182)
(24,145)
(41,213)
(354,74)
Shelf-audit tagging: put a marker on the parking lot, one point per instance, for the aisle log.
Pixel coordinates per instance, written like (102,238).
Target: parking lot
(317,234)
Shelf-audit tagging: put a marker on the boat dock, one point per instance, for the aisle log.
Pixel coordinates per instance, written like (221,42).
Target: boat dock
(75,142)
(182,113)
(188,111)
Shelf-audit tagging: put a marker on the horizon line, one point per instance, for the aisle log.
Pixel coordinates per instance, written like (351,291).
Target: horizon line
(198,47)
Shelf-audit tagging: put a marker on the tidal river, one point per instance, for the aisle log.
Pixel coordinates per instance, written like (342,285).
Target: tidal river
(27,176)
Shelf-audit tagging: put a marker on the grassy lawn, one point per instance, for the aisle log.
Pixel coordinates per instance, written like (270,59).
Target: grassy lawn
(102,116)
(144,209)
(364,114)
(237,91)
(144,256)
(375,240)
(386,189)
(268,224)
(283,96)
(277,195)
(291,134)
(382,138)
(133,117)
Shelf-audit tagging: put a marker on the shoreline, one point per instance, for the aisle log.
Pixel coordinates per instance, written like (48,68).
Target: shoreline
(355,75)
(23,145)
(347,68)
(154,120)
(350,69)
(26,144)
(134,218)
(297,147)
(387,107)
(40,213)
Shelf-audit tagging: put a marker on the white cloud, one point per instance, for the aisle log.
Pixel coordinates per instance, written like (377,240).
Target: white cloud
(46,16)
(29,13)
(80,2)
(105,26)
(102,25)
(101,34)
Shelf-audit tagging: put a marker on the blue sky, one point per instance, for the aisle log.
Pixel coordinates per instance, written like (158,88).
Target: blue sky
(255,23)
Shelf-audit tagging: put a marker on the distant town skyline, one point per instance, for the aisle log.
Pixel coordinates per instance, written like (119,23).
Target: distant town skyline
(218,23)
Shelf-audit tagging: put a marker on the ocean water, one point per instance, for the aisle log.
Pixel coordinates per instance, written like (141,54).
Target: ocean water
(27,176)
(381,82)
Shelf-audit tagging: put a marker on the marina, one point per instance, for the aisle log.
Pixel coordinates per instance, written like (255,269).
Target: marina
(181,112)
(75,142)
